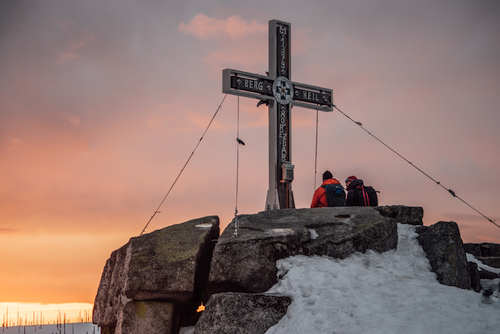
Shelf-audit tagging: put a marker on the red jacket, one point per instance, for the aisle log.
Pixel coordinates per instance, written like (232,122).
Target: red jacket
(319,197)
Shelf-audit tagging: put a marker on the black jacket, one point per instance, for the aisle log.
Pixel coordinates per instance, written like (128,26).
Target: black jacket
(352,189)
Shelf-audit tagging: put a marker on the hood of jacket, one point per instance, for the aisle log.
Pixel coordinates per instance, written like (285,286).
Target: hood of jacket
(354,184)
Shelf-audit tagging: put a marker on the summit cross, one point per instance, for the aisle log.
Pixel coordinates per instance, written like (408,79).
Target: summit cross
(279,93)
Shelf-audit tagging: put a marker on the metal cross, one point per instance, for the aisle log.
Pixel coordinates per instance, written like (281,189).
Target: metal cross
(279,93)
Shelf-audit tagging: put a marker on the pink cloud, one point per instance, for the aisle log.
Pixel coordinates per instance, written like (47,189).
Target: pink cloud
(64,56)
(247,48)
(201,121)
(78,38)
(250,60)
(486,238)
(238,44)
(234,27)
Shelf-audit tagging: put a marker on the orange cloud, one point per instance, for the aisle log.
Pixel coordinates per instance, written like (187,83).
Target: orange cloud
(12,143)
(62,269)
(7,230)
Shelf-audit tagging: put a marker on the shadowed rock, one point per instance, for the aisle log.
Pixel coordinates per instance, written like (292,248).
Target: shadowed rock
(247,263)
(411,215)
(170,264)
(147,317)
(242,313)
(444,249)
(167,264)
(485,274)
(110,298)
(485,249)
(475,279)
(490,261)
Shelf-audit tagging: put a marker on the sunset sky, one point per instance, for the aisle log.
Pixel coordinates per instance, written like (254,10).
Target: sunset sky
(102,103)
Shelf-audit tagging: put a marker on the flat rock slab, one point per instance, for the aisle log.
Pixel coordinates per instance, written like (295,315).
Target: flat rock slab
(171,264)
(490,261)
(485,249)
(242,313)
(485,274)
(247,262)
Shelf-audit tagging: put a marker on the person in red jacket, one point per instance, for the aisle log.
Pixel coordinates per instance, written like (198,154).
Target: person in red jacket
(319,197)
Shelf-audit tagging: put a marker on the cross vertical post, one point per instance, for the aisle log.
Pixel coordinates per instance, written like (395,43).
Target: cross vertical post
(279,93)
(280,193)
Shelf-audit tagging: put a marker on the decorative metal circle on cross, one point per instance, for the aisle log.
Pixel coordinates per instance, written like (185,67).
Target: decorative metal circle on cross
(283,90)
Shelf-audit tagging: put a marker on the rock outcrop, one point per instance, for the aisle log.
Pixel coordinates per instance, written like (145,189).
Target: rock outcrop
(488,254)
(490,261)
(155,282)
(147,317)
(242,313)
(111,299)
(168,265)
(268,236)
(444,249)
(411,215)
(484,249)
(475,279)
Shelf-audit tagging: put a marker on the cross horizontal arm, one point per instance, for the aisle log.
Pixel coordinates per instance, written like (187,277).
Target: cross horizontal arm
(247,84)
(312,97)
(261,87)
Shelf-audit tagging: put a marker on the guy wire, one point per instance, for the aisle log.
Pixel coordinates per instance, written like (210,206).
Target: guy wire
(237,164)
(173,184)
(316,151)
(421,171)
(237,152)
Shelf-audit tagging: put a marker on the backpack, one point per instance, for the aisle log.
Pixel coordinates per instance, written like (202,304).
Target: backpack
(366,196)
(335,194)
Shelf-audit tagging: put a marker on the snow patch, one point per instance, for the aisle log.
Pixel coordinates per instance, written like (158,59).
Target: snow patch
(281,231)
(392,292)
(204,225)
(314,235)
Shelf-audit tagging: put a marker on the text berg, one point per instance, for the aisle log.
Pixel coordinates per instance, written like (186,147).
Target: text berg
(254,84)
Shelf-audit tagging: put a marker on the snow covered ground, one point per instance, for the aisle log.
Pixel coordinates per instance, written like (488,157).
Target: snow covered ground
(393,292)
(78,328)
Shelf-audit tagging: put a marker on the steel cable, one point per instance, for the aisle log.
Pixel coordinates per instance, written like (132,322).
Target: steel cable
(420,170)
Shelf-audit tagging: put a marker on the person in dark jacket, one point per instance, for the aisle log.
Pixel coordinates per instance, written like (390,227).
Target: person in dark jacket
(351,185)
(357,196)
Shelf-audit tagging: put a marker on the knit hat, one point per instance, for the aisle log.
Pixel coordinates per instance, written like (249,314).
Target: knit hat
(351,178)
(327,175)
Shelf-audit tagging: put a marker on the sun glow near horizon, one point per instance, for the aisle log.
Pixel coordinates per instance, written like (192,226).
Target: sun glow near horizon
(28,314)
